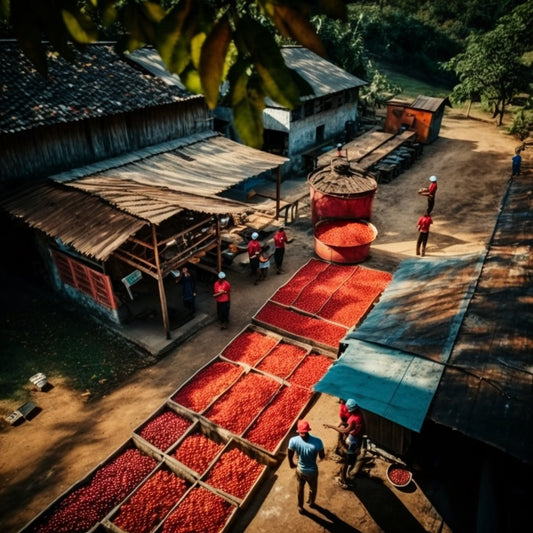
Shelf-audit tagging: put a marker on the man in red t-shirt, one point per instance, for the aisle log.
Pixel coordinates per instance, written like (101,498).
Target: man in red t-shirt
(254,250)
(221,292)
(353,430)
(423,233)
(280,239)
(430,192)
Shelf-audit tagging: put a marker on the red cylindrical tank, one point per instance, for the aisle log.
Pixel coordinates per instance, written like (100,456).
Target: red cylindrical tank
(344,241)
(341,190)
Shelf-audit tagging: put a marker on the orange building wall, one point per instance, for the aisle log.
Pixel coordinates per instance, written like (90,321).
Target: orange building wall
(416,120)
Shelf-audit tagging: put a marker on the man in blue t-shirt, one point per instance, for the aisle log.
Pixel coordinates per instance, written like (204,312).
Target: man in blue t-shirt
(307,448)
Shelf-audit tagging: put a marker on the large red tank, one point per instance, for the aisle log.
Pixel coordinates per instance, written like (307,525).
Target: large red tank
(344,241)
(341,190)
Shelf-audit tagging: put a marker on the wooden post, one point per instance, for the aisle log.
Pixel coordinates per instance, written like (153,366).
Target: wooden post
(219,246)
(278,192)
(161,285)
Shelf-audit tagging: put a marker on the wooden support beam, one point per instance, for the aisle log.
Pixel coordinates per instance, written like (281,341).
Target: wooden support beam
(161,285)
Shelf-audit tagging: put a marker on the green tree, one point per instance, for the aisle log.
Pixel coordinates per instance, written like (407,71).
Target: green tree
(492,66)
(205,42)
(344,43)
(376,94)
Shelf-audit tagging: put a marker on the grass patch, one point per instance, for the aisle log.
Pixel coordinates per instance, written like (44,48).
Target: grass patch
(412,87)
(42,333)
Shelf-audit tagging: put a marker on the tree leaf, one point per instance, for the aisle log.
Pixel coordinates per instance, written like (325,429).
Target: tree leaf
(153,11)
(334,8)
(109,12)
(248,102)
(279,84)
(266,57)
(191,79)
(296,26)
(5,10)
(196,48)
(173,34)
(248,121)
(213,59)
(80,27)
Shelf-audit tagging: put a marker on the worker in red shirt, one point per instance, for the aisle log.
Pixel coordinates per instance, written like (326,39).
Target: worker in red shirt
(254,251)
(280,239)
(430,192)
(353,430)
(423,233)
(221,293)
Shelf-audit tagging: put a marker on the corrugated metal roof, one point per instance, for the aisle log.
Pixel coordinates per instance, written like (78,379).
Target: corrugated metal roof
(152,184)
(148,58)
(487,387)
(99,82)
(84,222)
(203,164)
(422,308)
(153,203)
(429,103)
(324,76)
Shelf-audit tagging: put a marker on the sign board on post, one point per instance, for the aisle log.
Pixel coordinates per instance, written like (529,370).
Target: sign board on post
(131,279)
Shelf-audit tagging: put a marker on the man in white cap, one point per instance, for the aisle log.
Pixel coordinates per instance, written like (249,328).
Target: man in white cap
(430,192)
(254,251)
(221,293)
(307,447)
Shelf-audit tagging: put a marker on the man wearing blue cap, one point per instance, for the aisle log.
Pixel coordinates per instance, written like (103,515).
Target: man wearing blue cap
(353,431)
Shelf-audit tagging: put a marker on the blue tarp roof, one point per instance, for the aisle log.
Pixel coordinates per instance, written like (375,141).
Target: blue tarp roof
(388,382)
(393,363)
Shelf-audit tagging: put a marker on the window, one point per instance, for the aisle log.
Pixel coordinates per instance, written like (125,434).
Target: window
(85,279)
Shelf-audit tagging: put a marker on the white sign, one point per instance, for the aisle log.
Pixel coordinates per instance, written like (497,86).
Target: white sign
(131,279)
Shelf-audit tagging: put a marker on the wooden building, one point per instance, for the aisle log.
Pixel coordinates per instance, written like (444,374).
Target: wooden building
(423,116)
(117,174)
(326,117)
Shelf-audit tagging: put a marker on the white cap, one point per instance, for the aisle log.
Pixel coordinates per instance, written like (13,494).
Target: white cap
(255,235)
(221,275)
(433,178)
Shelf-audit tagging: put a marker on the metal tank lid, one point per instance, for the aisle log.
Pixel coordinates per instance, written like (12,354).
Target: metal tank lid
(342,178)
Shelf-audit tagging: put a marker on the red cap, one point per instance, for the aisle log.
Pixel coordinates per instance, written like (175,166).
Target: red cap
(303,426)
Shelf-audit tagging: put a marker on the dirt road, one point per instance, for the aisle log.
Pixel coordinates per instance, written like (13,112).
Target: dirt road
(42,458)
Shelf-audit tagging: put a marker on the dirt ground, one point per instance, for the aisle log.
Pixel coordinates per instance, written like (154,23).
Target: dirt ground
(42,458)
